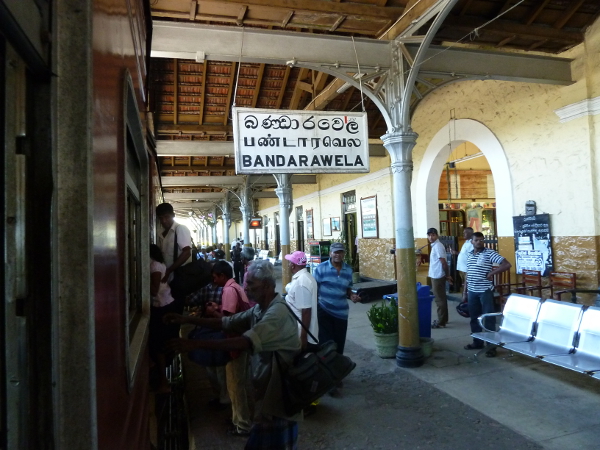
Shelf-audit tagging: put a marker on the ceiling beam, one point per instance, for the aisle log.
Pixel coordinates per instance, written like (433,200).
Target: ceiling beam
(315,6)
(177,205)
(210,148)
(194,148)
(184,40)
(196,168)
(276,47)
(181,196)
(255,180)
(194,196)
(481,64)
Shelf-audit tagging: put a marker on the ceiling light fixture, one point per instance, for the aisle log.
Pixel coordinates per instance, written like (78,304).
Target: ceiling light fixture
(466,158)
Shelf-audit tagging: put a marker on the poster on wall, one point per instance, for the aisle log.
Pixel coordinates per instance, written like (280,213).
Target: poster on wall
(368,216)
(310,234)
(533,248)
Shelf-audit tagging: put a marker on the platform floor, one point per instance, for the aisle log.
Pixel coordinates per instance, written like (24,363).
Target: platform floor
(451,402)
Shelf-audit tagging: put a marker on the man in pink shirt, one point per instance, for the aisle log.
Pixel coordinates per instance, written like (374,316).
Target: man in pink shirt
(233,301)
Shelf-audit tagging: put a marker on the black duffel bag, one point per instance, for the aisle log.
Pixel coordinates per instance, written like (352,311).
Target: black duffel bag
(312,375)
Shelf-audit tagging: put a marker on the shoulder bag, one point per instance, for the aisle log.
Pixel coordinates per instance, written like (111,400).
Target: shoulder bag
(210,358)
(312,374)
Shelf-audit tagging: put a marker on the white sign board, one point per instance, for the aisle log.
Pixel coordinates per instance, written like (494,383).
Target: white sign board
(280,141)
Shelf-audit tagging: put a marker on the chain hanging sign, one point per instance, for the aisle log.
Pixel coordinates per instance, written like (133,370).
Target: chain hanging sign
(280,141)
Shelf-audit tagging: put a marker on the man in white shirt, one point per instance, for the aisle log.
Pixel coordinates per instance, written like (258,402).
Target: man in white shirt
(302,297)
(461,261)
(439,274)
(175,241)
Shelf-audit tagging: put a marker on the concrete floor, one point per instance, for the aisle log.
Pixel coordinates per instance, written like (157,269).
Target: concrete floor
(450,402)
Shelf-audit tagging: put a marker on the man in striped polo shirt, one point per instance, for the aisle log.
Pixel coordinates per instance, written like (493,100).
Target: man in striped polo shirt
(334,281)
(479,287)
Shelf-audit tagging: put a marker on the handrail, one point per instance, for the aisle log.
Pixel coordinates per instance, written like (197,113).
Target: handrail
(581,291)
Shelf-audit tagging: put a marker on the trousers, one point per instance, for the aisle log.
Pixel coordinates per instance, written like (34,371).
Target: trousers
(438,286)
(236,372)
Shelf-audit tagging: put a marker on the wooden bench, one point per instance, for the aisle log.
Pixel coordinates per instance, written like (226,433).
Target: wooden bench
(560,333)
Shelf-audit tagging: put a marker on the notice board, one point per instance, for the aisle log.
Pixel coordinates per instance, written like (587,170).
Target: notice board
(533,247)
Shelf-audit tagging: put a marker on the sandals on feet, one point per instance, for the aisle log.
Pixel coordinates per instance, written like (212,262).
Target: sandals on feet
(436,324)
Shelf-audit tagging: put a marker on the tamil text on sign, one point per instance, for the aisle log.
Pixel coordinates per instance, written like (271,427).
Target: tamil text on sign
(276,141)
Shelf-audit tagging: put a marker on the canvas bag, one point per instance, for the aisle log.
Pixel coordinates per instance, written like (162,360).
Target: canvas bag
(312,374)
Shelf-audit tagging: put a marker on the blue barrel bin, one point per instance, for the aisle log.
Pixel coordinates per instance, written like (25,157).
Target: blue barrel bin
(424,299)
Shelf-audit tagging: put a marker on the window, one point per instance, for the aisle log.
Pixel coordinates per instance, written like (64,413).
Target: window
(137,241)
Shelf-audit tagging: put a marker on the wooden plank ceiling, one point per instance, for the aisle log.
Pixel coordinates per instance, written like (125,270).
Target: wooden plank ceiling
(192,101)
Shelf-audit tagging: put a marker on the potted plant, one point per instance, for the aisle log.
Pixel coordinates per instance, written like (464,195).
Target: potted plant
(384,321)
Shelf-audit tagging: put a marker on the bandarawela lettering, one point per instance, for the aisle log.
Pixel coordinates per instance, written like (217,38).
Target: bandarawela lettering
(301,161)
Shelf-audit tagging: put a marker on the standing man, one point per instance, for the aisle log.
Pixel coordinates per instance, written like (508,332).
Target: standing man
(175,241)
(334,281)
(267,328)
(480,286)
(439,274)
(233,301)
(238,267)
(302,297)
(461,261)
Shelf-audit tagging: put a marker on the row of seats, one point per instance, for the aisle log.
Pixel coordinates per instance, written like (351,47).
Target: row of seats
(560,333)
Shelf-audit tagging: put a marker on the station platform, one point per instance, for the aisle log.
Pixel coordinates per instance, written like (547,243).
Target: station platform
(451,402)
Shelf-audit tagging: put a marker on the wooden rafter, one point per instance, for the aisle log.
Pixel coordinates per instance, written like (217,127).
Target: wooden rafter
(297,95)
(203,93)
(230,92)
(564,18)
(175,91)
(504,27)
(284,82)
(536,11)
(195,129)
(259,77)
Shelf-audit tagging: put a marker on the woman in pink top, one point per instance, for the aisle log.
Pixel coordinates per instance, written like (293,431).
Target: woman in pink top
(162,303)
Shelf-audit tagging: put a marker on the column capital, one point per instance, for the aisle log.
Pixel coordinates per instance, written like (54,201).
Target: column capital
(400,145)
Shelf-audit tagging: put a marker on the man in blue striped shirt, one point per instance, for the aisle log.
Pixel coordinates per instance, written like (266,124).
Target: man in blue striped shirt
(334,281)
(480,286)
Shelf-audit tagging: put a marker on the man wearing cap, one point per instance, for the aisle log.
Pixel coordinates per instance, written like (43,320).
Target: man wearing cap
(302,297)
(334,280)
(439,273)
(176,244)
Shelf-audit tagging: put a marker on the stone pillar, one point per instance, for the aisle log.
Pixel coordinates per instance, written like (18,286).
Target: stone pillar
(213,226)
(226,225)
(284,192)
(400,145)
(246,209)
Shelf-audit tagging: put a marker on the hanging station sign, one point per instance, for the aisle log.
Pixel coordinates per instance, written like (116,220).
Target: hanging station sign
(280,141)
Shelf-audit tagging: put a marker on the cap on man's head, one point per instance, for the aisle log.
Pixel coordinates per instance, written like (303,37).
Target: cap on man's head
(337,247)
(432,231)
(164,208)
(298,258)
(220,254)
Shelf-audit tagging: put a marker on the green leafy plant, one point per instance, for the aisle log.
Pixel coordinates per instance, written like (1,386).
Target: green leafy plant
(384,318)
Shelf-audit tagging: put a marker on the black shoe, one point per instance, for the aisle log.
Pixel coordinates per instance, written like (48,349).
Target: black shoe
(216,405)
(235,431)
(310,410)
(473,347)
(335,393)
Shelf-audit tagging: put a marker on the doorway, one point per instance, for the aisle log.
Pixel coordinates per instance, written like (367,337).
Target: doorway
(300,228)
(349,233)
(277,237)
